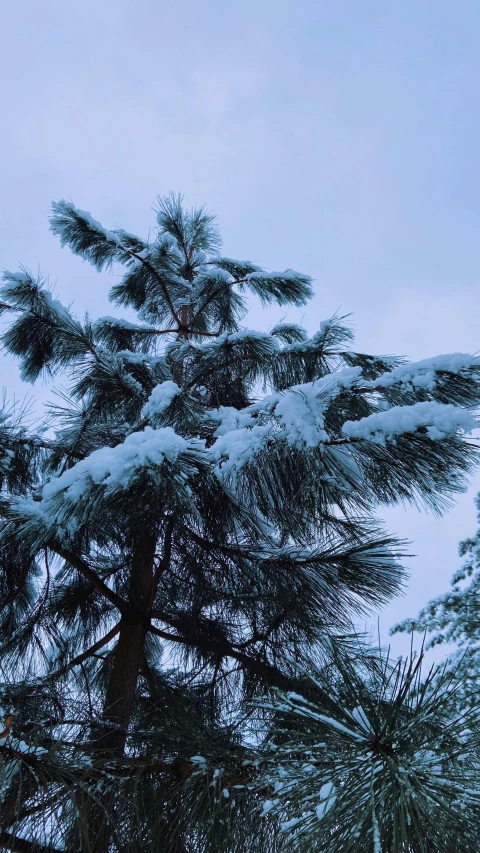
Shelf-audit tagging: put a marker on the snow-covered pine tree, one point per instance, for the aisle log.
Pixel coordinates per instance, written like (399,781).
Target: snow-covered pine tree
(192,528)
(454,617)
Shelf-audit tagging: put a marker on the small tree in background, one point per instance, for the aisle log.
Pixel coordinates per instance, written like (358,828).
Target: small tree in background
(454,617)
(191,531)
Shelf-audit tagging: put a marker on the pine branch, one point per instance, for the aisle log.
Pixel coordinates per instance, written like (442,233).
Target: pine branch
(161,282)
(84,569)
(27,811)
(50,323)
(79,659)
(185,330)
(9,841)
(213,296)
(164,563)
(269,673)
(44,445)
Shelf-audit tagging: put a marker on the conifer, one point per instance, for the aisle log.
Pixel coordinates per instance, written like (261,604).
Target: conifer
(185,542)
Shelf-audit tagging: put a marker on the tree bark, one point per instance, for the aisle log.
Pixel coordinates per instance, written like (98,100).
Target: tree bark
(177,368)
(96,816)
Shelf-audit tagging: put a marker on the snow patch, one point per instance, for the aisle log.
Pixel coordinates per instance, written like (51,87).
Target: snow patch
(301,408)
(115,466)
(230,419)
(270,343)
(237,447)
(160,399)
(440,419)
(327,799)
(423,374)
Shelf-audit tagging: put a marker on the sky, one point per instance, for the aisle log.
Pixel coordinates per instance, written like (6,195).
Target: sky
(337,138)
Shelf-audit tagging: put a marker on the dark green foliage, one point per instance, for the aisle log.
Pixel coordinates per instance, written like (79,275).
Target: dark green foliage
(191,530)
(390,765)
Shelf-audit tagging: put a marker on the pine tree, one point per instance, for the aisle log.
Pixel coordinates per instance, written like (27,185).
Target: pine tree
(184,542)
(454,617)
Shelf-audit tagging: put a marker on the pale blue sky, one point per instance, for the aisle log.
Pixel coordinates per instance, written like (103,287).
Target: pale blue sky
(337,138)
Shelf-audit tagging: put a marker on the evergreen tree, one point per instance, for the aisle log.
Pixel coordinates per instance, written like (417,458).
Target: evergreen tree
(184,543)
(454,617)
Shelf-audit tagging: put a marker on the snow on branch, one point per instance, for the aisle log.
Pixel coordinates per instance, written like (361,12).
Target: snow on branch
(236,448)
(160,399)
(25,293)
(296,415)
(116,466)
(423,374)
(281,287)
(440,420)
(246,337)
(45,336)
(300,410)
(88,238)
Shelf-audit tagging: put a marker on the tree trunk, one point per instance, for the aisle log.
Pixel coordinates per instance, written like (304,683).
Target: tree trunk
(96,815)
(177,368)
